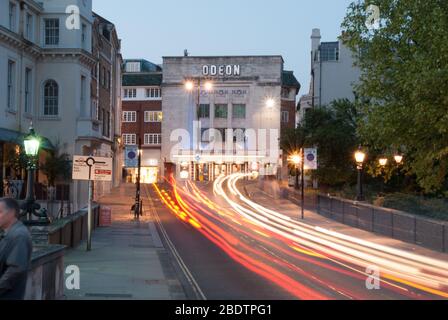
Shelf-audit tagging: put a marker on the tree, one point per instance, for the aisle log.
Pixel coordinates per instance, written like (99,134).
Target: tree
(56,166)
(404,80)
(332,129)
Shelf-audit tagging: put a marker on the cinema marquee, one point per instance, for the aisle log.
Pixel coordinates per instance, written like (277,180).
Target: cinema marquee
(221,70)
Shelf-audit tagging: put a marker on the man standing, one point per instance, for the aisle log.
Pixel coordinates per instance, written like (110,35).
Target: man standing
(15,252)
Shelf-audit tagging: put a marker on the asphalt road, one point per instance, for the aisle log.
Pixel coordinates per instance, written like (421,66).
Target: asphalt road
(218,276)
(232,258)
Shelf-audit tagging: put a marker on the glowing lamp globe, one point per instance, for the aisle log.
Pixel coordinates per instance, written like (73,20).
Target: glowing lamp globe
(32,144)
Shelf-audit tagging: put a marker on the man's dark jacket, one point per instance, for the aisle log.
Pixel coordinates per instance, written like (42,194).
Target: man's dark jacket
(15,256)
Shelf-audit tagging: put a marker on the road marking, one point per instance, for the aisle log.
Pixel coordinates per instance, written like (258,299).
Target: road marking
(155,235)
(190,278)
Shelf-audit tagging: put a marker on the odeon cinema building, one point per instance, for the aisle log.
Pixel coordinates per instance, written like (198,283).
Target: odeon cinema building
(225,114)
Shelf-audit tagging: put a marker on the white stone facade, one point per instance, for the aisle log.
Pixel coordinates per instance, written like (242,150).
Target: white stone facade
(67,61)
(333,74)
(254,82)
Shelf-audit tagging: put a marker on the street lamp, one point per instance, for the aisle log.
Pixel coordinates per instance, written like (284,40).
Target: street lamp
(32,143)
(398,159)
(383,162)
(189,85)
(360,157)
(270,103)
(298,159)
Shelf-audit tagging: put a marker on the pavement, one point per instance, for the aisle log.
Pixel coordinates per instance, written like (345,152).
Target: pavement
(290,209)
(128,260)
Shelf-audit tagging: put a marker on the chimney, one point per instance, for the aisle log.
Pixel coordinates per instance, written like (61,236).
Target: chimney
(315,40)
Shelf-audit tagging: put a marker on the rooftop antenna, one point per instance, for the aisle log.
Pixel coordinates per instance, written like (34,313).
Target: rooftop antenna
(186,53)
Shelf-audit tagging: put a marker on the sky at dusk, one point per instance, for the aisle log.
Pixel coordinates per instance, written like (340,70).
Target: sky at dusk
(153,29)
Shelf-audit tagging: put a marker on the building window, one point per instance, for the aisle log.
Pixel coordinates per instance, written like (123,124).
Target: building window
(329,51)
(109,79)
(29,27)
(94,111)
(130,93)
(83,35)
(153,139)
(239,111)
(153,116)
(12,16)
(51,32)
(51,98)
(28,88)
(132,66)
(83,93)
(129,116)
(130,139)
(204,111)
(153,93)
(11,87)
(285,116)
(106,124)
(221,111)
(103,78)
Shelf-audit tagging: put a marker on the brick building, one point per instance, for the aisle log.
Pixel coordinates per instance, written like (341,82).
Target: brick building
(142,115)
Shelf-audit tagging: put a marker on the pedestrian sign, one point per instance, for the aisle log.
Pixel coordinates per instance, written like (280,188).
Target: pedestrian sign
(92,168)
(311,159)
(131,157)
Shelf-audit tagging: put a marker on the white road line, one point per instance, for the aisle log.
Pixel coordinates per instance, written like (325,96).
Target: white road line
(190,278)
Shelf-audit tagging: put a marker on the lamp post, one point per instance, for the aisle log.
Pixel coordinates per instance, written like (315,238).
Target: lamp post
(383,163)
(360,157)
(32,144)
(299,161)
(399,161)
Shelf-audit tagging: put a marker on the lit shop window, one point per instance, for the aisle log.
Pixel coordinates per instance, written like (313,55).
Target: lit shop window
(153,139)
(129,116)
(130,139)
(130,93)
(153,93)
(153,116)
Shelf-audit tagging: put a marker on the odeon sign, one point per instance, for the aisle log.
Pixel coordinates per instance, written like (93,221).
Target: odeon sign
(221,70)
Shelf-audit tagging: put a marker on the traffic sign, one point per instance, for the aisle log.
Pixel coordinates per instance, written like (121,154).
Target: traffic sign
(131,157)
(311,159)
(92,168)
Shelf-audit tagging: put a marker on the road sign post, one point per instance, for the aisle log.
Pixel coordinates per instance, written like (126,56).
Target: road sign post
(91,169)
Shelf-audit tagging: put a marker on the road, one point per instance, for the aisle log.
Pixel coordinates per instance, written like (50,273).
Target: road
(236,249)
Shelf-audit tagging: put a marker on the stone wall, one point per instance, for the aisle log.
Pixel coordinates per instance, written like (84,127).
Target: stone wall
(46,275)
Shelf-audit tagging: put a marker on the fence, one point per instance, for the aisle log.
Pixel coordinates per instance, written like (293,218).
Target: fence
(425,232)
(396,224)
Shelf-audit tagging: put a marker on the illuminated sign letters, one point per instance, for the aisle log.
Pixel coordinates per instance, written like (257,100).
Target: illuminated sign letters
(221,70)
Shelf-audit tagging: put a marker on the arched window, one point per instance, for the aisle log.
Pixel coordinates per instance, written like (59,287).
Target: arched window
(51,98)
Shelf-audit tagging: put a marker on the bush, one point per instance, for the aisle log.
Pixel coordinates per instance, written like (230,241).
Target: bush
(414,204)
